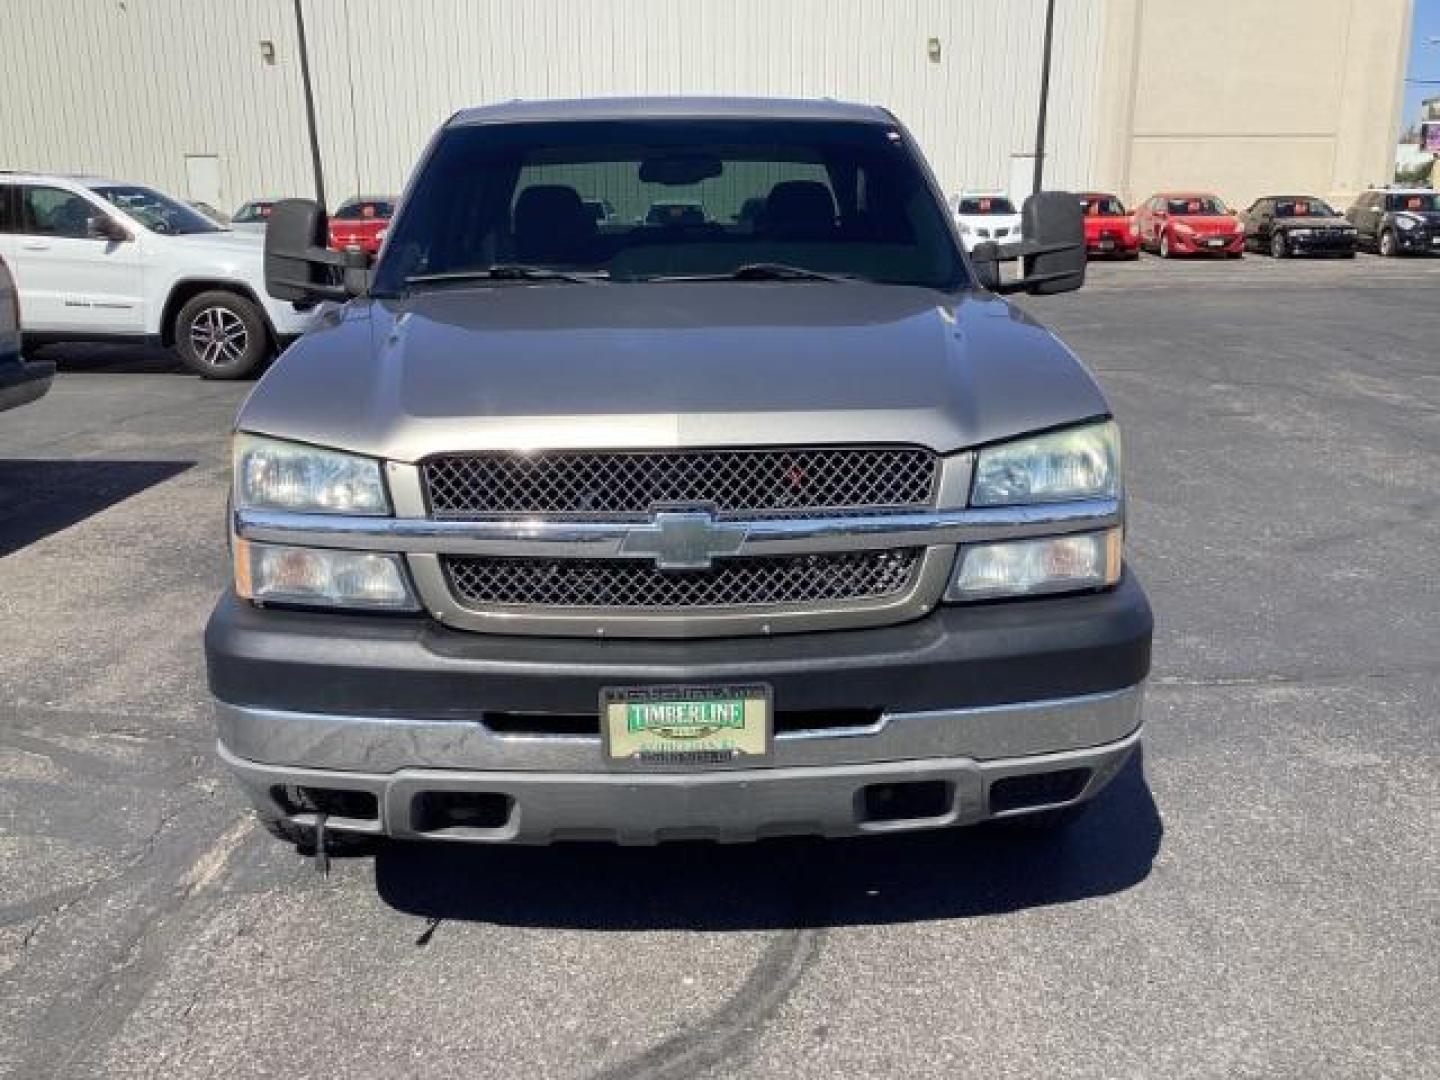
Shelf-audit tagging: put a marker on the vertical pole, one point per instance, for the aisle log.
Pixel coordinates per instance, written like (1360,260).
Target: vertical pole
(1044,96)
(310,106)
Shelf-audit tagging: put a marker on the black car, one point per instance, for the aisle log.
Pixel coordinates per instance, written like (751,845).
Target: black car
(20,382)
(1397,221)
(1286,225)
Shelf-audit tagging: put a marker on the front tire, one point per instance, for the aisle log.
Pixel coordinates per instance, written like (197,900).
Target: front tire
(1278,248)
(221,335)
(1389,246)
(1165,252)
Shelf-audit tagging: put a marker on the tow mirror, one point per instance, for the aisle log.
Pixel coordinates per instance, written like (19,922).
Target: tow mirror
(298,265)
(1051,251)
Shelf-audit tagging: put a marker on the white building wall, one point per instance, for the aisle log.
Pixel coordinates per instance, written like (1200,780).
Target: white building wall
(130,87)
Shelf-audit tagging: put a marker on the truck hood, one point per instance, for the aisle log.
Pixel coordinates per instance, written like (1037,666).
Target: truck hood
(670,365)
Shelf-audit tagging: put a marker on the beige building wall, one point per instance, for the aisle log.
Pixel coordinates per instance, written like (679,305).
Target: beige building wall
(1250,97)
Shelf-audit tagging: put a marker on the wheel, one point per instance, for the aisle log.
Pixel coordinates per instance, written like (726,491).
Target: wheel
(1165,252)
(1278,248)
(1388,246)
(221,335)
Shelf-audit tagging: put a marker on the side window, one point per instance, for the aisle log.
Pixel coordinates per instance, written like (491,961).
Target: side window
(48,211)
(9,218)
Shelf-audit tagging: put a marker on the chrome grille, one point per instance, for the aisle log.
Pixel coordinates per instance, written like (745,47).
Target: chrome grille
(632,484)
(485,582)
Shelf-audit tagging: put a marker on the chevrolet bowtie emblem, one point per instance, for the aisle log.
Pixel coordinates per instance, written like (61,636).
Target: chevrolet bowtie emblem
(688,540)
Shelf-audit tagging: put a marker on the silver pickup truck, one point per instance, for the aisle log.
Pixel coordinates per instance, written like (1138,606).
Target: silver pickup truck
(763,515)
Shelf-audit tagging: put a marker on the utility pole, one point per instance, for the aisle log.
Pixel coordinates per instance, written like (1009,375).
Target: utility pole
(1044,96)
(310,106)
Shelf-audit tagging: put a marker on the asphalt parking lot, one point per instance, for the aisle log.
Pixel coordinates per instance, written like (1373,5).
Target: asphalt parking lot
(1259,898)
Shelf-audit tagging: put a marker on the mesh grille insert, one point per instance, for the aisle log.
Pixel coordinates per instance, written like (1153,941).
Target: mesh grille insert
(632,484)
(620,584)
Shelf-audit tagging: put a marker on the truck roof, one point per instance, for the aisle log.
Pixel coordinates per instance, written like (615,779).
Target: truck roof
(666,108)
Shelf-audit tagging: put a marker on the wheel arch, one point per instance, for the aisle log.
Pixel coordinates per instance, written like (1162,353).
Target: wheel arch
(182,292)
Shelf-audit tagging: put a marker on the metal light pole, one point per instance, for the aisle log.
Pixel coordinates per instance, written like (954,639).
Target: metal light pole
(310,106)
(1044,96)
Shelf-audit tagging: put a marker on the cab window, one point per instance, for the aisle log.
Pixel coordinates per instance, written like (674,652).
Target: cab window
(50,211)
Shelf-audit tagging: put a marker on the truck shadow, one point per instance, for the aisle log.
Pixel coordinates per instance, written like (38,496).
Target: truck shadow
(782,884)
(38,498)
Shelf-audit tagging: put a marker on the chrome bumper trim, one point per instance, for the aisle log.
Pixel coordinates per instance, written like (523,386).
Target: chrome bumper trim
(392,744)
(541,538)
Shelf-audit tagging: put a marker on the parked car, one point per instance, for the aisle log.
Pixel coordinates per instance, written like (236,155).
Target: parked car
(252,216)
(1286,225)
(1397,221)
(1180,223)
(217,216)
(100,259)
(1109,228)
(795,527)
(360,222)
(986,215)
(20,382)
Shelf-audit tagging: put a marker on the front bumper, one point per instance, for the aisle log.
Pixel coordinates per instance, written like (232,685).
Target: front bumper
(1196,244)
(402,709)
(1418,241)
(1339,244)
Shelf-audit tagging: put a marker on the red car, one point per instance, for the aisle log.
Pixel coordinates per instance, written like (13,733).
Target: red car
(1109,227)
(1180,223)
(361,222)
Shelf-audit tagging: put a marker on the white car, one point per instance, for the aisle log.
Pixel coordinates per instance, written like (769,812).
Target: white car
(986,215)
(253,216)
(101,260)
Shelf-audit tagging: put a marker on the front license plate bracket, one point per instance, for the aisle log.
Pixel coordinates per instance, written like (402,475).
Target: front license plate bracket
(686,727)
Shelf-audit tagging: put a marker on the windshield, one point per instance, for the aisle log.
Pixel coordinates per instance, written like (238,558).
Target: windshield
(366,209)
(157,211)
(253,212)
(1196,206)
(1418,203)
(1305,207)
(982,205)
(676,198)
(1102,206)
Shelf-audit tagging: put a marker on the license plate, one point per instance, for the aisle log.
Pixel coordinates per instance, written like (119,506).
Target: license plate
(687,726)
(1107,245)
(1215,243)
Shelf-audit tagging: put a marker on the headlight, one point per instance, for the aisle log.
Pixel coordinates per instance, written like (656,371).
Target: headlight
(274,475)
(1079,463)
(1033,567)
(1182,228)
(321,577)
(1300,232)
(964,229)
(1405,223)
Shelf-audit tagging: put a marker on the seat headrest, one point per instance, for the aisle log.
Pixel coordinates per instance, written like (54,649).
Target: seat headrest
(804,203)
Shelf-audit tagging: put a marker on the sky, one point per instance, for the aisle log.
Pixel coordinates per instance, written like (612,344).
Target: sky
(1424,58)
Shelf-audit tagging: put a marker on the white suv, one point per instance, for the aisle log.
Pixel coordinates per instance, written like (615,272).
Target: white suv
(986,215)
(100,260)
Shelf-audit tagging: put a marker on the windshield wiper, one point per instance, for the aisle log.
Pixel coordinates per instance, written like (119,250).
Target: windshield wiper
(761,271)
(509,272)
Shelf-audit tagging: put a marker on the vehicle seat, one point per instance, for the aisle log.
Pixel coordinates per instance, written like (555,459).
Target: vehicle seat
(799,210)
(552,225)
